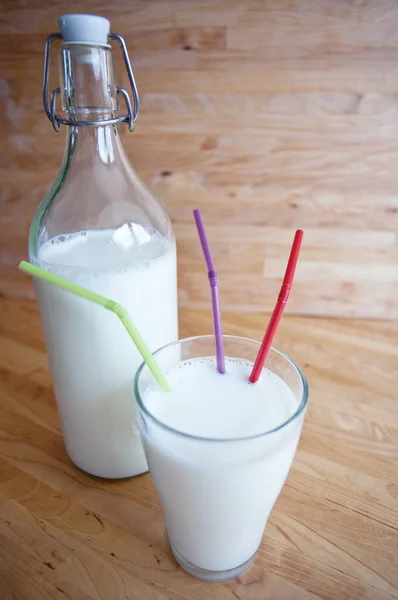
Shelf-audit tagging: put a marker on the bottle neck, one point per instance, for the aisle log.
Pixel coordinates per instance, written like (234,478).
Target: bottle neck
(89,93)
(88,88)
(95,145)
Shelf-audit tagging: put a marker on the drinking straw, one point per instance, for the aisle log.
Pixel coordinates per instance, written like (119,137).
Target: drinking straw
(215,291)
(111,305)
(279,307)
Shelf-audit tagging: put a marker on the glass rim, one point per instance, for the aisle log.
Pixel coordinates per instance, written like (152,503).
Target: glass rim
(302,404)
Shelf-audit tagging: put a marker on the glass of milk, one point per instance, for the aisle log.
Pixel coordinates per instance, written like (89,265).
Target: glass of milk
(219,448)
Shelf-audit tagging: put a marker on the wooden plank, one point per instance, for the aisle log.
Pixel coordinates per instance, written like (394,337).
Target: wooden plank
(277,114)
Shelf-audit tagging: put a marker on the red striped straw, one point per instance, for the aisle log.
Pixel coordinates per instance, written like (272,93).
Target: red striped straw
(215,292)
(279,308)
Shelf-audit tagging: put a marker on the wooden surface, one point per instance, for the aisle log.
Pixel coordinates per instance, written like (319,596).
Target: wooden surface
(333,533)
(266,114)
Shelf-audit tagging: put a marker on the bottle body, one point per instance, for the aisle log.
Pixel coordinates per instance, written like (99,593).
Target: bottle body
(100,227)
(92,358)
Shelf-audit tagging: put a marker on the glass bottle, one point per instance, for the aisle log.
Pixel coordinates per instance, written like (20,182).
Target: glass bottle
(102,228)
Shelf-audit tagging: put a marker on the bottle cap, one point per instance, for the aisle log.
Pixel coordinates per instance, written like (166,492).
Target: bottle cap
(89,29)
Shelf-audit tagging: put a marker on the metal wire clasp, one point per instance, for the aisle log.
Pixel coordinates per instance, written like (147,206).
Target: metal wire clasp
(50,106)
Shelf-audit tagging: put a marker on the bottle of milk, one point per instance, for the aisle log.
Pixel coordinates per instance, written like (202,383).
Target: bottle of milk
(102,228)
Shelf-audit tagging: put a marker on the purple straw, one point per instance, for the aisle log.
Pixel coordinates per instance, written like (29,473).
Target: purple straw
(215,292)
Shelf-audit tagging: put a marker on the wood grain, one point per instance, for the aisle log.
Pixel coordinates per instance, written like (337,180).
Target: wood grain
(267,114)
(333,532)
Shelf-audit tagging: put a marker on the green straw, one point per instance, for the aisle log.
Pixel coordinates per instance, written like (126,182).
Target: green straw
(111,305)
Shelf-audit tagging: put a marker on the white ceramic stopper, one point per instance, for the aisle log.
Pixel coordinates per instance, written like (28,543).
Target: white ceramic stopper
(84,28)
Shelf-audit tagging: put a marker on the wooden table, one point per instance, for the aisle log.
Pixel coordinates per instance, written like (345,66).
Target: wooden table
(332,534)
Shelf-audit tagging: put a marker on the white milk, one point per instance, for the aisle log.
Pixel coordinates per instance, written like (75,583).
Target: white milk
(217,495)
(92,358)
